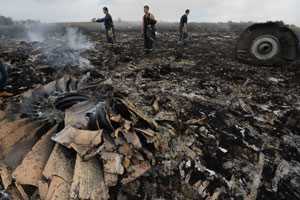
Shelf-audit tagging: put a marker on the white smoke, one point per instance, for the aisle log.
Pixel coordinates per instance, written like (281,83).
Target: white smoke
(78,41)
(35,37)
(35,33)
(62,50)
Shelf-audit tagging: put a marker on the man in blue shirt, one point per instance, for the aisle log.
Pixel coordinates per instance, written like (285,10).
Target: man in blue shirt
(3,77)
(109,26)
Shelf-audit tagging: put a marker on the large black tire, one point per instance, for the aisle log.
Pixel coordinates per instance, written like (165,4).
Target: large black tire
(271,44)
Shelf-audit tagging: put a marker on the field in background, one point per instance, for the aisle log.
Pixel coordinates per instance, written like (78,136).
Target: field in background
(19,30)
(88,26)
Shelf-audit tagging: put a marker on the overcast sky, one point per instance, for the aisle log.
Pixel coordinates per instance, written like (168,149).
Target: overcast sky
(165,10)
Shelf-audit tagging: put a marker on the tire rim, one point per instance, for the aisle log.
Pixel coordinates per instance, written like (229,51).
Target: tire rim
(265,47)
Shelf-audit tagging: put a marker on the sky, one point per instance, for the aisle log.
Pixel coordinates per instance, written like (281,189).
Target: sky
(164,10)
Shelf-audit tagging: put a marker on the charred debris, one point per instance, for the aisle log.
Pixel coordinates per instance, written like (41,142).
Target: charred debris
(188,123)
(77,144)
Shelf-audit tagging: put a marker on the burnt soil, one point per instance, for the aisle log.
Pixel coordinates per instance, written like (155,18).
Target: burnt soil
(227,113)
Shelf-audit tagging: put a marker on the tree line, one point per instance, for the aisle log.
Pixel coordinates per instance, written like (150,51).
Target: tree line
(7,21)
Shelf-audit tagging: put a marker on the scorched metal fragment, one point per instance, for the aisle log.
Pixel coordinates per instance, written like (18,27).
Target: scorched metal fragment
(78,127)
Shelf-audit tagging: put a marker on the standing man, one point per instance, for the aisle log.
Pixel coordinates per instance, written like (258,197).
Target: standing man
(3,77)
(183,27)
(109,26)
(148,30)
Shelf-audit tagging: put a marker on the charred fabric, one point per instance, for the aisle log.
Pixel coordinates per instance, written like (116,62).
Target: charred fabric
(106,137)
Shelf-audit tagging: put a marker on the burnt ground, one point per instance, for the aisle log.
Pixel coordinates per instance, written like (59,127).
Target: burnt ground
(236,127)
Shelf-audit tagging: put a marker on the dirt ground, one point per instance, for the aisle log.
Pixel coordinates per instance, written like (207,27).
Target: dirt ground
(237,128)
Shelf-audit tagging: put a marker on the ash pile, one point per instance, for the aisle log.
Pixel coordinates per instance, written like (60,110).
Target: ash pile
(227,130)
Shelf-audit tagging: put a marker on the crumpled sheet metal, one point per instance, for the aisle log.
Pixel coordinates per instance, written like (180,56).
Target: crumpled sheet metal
(109,142)
(81,141)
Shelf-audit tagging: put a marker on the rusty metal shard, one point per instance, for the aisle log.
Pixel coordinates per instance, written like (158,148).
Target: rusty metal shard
(7,130)
(136,171)
(110,179)
(125,150)
(112,163)
(130,106)
(88,181)
(80,140)
(148,131)
(59,189)
(132,138)
(18,151)
(43,189)
(93,152)
(60,163)
(30,170)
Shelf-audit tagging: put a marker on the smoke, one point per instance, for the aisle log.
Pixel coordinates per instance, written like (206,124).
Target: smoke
(35,37)
(61,48)
(78,41)
(35,33)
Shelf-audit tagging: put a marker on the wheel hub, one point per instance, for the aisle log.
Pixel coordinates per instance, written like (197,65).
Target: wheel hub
(265,47)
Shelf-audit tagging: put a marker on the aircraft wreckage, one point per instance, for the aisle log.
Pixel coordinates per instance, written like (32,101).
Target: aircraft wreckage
(271,43)
(65,144)
(235,130)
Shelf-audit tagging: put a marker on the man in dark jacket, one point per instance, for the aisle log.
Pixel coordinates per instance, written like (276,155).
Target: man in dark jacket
(148,29)
(109,26)
(183,27)
(3,77)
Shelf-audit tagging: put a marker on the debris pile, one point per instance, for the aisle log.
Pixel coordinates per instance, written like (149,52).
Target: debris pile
(80,147)
(226,130)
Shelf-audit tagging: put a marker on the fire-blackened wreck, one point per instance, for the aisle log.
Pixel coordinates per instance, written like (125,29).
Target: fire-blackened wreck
(185,123)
